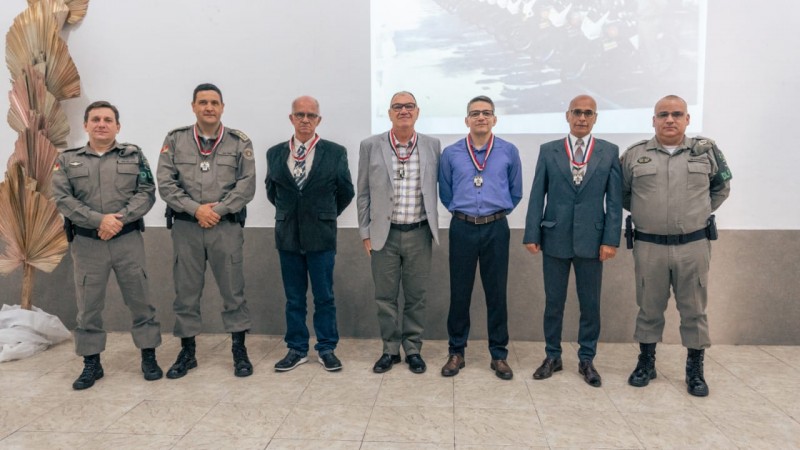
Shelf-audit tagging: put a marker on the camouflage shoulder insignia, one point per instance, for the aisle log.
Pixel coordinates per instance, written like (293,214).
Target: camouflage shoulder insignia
(129,148)
(180,129)
(239,134)
(701,145)
(636,144)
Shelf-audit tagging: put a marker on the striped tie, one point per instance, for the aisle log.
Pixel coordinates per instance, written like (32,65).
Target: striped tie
(300,167)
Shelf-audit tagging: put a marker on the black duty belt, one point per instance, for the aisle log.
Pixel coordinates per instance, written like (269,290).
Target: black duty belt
(670,239)
(480,220)
(190,218)
(90,233)
(408,226)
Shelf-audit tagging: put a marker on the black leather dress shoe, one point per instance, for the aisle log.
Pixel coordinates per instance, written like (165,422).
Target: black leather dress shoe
(415,363)
(590,375)
(385,363)
(549,365)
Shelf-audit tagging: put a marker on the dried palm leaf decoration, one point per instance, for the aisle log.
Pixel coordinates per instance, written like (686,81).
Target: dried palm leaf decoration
(28,97)
(76,9)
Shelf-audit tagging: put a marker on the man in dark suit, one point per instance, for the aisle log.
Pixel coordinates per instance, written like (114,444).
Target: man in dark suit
(397,221)
(308,181)
(575,218)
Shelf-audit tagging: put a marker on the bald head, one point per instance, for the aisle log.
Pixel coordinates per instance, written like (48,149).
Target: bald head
(305,117)
(582,115)
(672,99)
(305,98)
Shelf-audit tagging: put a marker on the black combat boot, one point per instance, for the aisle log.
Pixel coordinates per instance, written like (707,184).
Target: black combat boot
(92,371)
(150,365)
(646,368)
(241,363)
(185,361)
(695,382)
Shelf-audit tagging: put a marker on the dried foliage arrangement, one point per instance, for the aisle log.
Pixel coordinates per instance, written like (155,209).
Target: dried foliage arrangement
(42,74)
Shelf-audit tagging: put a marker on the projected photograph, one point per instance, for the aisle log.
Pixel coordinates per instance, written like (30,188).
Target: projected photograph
(532,56)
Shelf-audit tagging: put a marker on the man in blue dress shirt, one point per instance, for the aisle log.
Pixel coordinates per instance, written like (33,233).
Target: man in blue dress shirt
(480,182)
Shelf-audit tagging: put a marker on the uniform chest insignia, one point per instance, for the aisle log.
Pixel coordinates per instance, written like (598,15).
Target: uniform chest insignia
(75,163)
(644,160)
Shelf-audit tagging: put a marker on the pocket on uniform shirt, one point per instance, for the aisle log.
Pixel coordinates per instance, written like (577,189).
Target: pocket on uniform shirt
(697,178)
(127,175)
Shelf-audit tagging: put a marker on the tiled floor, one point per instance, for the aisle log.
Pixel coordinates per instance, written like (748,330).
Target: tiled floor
(754,401)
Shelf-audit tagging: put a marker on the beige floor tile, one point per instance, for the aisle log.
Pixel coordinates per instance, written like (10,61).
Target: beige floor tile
(333,422)
(54,386)
(582,429)
(356,350)
(106,441)
(308,444)
(775,375)
(41,362)
(404,446)
(499,447)
(15,382)
(733,396)
(161,417)
(270,387)
(341,389)
(656,397)
(758,429)
(112,362)
(786,353)
(414,390)
(121,386)
(81,415)
(547,394)
(411,424)
(207,441)
(498,427)
(45,440)
(749,354)
(490,392)
(242,419)
(689,429)
(190,387)
(15,413)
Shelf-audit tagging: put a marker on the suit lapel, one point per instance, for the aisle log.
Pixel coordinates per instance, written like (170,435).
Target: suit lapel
(594,161)
(319,158)
(423,159)
(386,152)
(562,161)
(282,171)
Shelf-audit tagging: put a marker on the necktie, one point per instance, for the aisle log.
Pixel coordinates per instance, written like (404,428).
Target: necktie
(579,150)
(300,167)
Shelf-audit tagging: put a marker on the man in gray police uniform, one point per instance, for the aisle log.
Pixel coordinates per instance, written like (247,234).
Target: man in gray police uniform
(206,175)
(671,185)
(104,189)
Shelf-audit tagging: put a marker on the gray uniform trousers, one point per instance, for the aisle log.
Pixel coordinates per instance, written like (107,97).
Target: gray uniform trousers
(222,247)
(93,260)
(406,258)
(685,268)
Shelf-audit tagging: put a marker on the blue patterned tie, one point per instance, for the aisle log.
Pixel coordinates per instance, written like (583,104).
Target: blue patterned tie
(300,167)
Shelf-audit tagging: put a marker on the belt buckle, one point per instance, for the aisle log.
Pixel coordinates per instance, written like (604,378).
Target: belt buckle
(482,220)
(674,239)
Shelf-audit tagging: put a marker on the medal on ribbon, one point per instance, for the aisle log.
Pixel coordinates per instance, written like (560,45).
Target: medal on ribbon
(412,144)
(477,180)
(578,168)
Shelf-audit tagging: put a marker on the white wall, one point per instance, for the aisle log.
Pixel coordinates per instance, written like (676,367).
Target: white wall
(146,56)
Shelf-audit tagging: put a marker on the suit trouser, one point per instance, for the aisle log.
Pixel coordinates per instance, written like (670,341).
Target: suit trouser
(588,280)
(296,269)
(685,269)
(470,244)
(406,258)
(222,247)
(93,260)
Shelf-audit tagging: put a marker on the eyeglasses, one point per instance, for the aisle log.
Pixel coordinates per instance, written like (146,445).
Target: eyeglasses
(588,113)
(674,114)
(303,115)
(484,113)
(401,106)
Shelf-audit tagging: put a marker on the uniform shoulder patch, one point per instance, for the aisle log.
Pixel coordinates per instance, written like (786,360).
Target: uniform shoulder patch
(180,129)
(239,134)
(642,142)
(248,153)
(130,148)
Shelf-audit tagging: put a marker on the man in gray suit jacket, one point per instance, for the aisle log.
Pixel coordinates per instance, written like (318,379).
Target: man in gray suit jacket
(578,225)
(397,220)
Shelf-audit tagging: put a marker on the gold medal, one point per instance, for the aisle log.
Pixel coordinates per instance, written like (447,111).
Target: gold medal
(477,180)
(204,166)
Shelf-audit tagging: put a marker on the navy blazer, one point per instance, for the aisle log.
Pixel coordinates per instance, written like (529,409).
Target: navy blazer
(305,219)
(569,220)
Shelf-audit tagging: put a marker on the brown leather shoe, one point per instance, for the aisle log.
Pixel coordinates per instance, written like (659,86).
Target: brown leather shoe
(453,365)
(501,369)
(549,365)
(590,375)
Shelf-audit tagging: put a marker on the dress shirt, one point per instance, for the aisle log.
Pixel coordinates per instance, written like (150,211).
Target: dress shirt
(309,159)
(502,179)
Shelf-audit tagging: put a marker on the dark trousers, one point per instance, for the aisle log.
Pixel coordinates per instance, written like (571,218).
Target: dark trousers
(588,278)
(469,245)
(296,269)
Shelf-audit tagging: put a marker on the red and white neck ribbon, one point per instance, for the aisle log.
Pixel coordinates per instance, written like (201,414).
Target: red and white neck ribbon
(587,154)
(308,150)
(412,144)
(471,150)
(213,147)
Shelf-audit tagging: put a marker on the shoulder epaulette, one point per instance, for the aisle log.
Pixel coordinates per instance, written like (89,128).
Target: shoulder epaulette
(72,149)
(642,142)
(239,134)
(180,129)
(128,147)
